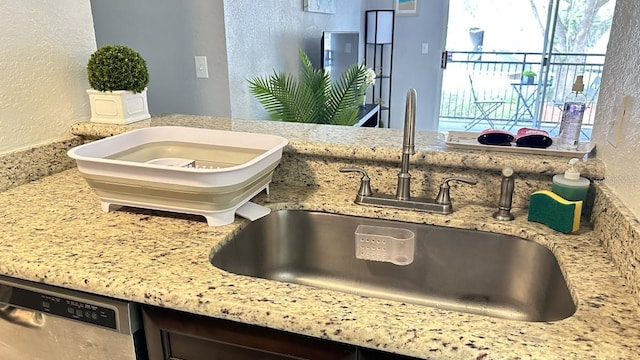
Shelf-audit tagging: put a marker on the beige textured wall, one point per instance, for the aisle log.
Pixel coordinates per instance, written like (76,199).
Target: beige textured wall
(44,47)
(622,76)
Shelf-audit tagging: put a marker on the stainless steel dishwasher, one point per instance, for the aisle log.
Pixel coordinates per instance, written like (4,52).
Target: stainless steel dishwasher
(42,322)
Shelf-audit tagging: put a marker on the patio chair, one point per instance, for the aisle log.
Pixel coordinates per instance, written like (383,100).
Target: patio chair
(486,107)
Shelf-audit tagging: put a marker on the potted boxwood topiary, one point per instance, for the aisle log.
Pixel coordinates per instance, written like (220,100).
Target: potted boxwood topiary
(118,77)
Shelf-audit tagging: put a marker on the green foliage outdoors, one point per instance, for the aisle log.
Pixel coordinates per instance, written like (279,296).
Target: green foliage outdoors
(117,67)
(581,24)
(312,97)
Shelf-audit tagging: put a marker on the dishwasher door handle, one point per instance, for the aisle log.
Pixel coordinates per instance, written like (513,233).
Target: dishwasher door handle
(22,317)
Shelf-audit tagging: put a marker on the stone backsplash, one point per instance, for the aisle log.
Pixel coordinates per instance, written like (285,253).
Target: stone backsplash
(309,170)
(619,233)
(21,167)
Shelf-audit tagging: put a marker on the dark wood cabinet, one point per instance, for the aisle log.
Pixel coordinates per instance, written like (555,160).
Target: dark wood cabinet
(174,335)
(368,354)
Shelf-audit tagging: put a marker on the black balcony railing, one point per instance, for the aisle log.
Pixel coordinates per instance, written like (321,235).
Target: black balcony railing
(497,77)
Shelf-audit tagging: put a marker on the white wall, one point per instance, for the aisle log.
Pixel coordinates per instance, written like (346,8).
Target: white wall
(44,46)
(622,76)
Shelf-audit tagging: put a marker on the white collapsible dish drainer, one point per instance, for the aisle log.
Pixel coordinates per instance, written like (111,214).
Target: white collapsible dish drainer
(178,184)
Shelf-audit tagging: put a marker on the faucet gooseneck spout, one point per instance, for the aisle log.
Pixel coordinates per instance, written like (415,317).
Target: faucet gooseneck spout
(402,199)
(403,191)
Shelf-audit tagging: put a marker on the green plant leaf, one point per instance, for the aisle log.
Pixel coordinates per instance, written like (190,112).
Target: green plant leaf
(346,95)
(311,97)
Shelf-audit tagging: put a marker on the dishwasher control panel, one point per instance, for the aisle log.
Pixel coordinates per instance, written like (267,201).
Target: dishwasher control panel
(67,307)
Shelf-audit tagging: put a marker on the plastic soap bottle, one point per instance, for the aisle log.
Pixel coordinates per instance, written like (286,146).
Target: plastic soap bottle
(572,114)
(571,185)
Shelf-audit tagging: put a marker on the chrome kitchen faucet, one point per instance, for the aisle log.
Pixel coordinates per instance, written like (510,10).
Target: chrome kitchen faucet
(403,200)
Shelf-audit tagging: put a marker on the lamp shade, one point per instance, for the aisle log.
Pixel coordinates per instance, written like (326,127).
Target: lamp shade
(379,26)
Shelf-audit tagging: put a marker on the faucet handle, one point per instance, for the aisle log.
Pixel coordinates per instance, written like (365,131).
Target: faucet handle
(443,195)
(365,181)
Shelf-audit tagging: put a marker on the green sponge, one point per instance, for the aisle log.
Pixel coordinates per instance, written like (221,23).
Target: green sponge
(554,211)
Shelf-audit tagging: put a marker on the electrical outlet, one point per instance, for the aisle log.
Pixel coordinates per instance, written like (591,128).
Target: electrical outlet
(201,67)
(425,48)
(347,48)
(618,114)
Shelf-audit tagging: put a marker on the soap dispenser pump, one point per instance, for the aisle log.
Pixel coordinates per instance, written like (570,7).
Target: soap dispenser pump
(570,185)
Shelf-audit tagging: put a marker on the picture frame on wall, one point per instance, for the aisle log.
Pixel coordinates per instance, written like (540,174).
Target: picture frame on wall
(320,6)
(407,7)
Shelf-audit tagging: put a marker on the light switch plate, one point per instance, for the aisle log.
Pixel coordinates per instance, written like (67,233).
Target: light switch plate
(201,67)
(618,113)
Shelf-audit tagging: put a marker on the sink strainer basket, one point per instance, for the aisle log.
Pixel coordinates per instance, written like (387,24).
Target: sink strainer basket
(388,244)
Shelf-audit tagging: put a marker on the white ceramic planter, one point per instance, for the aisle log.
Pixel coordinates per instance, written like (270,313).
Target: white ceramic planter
(118,107)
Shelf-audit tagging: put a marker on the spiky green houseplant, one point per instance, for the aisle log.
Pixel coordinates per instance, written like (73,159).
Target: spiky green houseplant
(118,77)
(312,97)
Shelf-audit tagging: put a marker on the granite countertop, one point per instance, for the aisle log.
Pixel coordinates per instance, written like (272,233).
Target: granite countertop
(55,232)
(357,143)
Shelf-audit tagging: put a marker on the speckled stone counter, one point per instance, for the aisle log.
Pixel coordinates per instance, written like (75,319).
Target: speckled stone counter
(355,143)
(55,232)
(378,151)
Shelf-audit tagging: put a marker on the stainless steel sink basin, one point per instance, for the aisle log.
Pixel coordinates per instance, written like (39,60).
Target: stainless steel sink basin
(469,271)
